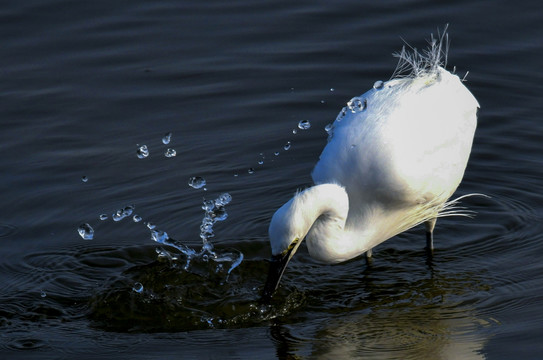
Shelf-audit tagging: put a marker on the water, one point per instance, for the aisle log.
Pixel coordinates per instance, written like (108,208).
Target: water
(167,138)
(85,231)
(142,152)
(304,125)
(83,83)
(378,85)
(123,213)
(170,153)
(197,182)
(357,104)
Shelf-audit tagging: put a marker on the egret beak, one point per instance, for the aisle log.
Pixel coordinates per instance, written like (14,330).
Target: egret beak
(278,265)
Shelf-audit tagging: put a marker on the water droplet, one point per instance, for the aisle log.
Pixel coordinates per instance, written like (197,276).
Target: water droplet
(260,162)
(122,213)
(251,171)
(276,153)
(287,146)
(167,138)
(208,320)
(223,199)
(103,217)
(206,231)
(128,210)
(304,124)
(197,182)
(159,236)
(341,114)
(118,215)
(138,287)
(357,104)
(150,225)
(136,218)
(43,294)
(220,214)
(323,102)
(332,89)
(142,152)
(378,85)
(170,153)
(85,231)
(328,128)
(208,205)
(294,131)
(84,179)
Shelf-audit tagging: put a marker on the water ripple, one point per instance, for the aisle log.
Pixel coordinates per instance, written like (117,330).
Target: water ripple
(7,230)
(26,344)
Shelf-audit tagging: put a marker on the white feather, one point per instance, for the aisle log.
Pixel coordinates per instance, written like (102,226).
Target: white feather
(394,157)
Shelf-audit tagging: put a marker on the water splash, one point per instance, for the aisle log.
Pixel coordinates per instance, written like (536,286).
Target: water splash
(341,114)
(214,211)
(123,213)
(261,160)
(357,104)
(223,199)
(167,138)
(86,231)
(142,152)
(159,236)
(84,179)
(138,287)
(378,85)
(287,146)
(197,182)
(304,125)
(103,217)
(169,153)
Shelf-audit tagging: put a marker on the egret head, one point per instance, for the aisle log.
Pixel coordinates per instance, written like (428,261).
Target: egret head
(285,238)
(325,203)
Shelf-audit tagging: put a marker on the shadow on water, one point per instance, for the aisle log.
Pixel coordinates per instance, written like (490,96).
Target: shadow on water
(347,310)
(399,306)
(167,295)
(413,334)
(429,318)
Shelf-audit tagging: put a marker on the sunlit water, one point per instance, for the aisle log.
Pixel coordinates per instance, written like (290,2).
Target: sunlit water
(147,144)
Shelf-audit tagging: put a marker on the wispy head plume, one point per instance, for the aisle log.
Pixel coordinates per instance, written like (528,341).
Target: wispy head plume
(413,63)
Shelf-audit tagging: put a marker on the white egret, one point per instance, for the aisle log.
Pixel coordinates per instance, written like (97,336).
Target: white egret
(395,155)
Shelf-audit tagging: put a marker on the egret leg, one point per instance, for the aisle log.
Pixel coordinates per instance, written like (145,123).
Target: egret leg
(368,257)
(430,224)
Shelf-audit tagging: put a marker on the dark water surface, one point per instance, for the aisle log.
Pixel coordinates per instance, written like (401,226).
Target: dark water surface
(82,83)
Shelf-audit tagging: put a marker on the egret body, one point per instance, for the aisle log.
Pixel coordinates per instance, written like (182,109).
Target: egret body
(394,157)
